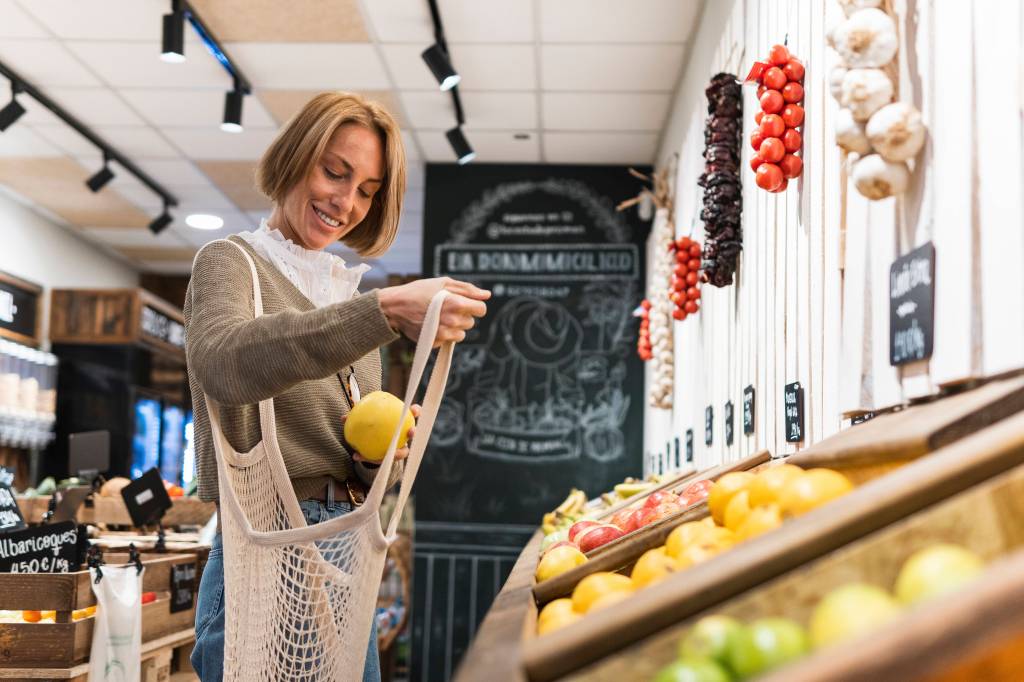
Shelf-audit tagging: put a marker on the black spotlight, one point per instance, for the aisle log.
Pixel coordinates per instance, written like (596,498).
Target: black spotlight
(463,152)
(161,222)
(100,178)
(233,112)
(437,59)
(11,113)
(173,38)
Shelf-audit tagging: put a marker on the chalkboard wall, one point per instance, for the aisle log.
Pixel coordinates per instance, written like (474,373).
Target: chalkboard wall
(547,392)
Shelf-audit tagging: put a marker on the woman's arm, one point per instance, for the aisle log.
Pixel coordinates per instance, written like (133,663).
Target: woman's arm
(239,360)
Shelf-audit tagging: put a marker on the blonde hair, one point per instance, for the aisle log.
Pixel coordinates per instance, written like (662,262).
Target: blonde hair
(292,155)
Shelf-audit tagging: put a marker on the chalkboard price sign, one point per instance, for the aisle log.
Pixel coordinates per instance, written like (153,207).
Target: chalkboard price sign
(748,410)
(53,548)
(10,515)
(709,424)
(689,445)
(146,498)
(861,418)
(677,461)
(793,400)
(7,475)
(183,587)
(728,423)
(912,306)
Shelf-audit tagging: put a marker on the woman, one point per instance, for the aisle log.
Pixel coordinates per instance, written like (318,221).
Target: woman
(336,171)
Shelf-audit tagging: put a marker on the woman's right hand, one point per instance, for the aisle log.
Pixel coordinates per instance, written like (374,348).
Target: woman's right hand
(405,306)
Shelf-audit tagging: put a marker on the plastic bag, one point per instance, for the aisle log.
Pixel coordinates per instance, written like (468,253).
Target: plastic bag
(117,635)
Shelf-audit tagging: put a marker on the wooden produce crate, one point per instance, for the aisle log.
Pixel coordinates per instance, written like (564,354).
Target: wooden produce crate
(33,508)
(973,633)
(64,643)
(184,511)
(175,543)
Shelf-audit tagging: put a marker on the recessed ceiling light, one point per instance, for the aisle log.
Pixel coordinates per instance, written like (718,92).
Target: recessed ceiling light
(204,221)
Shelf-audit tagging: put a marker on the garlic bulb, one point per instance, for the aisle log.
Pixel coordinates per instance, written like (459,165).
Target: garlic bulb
(896,131)
(865,91)
(835,80)
(850,133)
(851,6)
(868,38)
(876,178)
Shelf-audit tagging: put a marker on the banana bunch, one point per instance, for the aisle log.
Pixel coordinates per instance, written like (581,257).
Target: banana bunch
(565,514)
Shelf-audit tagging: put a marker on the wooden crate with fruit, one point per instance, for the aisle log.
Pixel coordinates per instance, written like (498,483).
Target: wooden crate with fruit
(49,616)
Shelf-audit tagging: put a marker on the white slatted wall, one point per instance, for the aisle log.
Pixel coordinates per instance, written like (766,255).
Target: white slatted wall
(811,300)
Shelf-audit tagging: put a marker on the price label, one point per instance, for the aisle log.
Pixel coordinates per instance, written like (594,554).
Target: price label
(748,410)
(793,401)
(861,418)
(912,306)
(709,424)
(53,548)
(146,498)
(678,462)
(10,515)
(183,587)
(689,445)
(728,423)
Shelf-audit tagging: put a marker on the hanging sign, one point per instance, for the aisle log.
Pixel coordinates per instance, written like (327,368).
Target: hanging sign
(19,308)
(677,461)
(861,418)
(689,445)
(912,306)
(146,498)
(10,515)
(183,586)
(728,423)
(155,325)
(53,548)
(709,424)
(793,400)
(748,410)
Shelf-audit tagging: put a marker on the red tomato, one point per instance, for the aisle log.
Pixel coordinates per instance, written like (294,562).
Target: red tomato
(792,139)
(693,293)
(678,297)
(682,255)
(760,91)
(793,92)
(755,139)
(772,150)
(774,79)
(677,313)
(683,243)
(755,161)
(791,166)
(694,264)
(692,278)
(645,304)
(680,270)
(772,125)
(148,597)
(772,102)
(792,116)
(678,284)
(691,307)
(794,70)
(695,250)
(778,55)
(768,176)
(757,117)
(781,188)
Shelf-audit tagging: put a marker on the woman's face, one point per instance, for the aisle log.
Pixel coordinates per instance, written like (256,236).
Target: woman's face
(337,194)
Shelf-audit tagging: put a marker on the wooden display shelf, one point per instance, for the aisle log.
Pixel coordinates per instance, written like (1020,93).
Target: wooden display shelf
(65,643)
(184,511)
(965,631)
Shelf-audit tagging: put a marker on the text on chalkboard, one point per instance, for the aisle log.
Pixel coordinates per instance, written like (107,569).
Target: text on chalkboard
(53,548)
(689,445)
(10,515)
(709,424)
(912,306)
(748,410)
(183,586)
(728,423)
(793,403)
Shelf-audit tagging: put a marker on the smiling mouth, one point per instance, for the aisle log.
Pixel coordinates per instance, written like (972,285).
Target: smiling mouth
(326,218)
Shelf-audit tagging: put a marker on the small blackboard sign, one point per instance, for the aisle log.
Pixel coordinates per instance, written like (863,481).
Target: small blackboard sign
(748,410)
(729,417)
(19,308)
(146,498)
(861,418)
(709,424)
(689,445)
(10,515)
(912,306)
(793,400)
(7,475)
(678,462)
(52,548)
(183,587)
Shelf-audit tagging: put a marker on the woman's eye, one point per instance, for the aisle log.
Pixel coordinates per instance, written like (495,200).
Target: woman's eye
(366,195)
(332,175)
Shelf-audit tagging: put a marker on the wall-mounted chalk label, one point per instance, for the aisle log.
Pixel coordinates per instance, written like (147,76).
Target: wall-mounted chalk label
(728,422)
(793,400)
(912,306)
(748,410)
(689,445)
(709,424)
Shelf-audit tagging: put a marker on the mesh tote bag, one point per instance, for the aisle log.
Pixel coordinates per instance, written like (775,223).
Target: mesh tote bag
(299,599)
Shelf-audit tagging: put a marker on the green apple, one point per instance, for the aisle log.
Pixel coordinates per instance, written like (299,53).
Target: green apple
(766,644)
(709,638)
(936,570)
(849,612)
(691,669)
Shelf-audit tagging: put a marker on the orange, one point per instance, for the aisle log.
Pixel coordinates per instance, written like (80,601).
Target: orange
(759,520)
(768,483)
(737,509)
(607,600)
(654,565)
(723,490)
(597,585)
(684,535)
(813,489)
(556,614)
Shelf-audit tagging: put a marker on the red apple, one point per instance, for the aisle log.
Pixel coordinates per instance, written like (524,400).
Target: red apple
(700,487)
(580,526)
(659,497)
(595,536)
(662,511)
(632,521)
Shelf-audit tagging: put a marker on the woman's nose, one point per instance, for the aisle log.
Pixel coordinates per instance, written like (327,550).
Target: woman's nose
(343,199)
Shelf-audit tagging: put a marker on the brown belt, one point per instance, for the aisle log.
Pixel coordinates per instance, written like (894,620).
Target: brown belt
(335,491)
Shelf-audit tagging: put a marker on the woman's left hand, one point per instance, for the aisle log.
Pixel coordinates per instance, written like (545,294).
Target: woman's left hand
(400,453)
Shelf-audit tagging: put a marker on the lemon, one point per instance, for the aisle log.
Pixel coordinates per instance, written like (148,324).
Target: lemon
(723,490)
(816,487)
(651,567)
(559,560)
(596,585)
(759,520)
(684,535)
(936,570)
(768,484)
(556,614)
(849,612)
(737,510)
(371,425)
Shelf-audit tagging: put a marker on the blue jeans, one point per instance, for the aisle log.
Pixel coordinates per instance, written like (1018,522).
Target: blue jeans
(208,653)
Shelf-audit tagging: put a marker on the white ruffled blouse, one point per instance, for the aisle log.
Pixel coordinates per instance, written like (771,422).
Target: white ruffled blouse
(322,277)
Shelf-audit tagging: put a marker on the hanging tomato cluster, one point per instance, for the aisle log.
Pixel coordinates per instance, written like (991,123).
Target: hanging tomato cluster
(685,286)
(776,140)
(643,344)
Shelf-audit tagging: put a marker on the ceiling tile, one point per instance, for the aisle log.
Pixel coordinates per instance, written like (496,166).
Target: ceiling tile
(490,146)
(236,179)
(17,23)
(35,113)
(234,221)
(174,171)
(133,237)
(402,21)
(95,106)
(135,192)
(614,21)
(283,104)
(101,19)
(482,67)
(306,66)
(46,64)
(604,111)
(472,21)
(295,21)
(203,143)
(606,148)
(19,140)
(67,139)
(58,185)
(630,68)
(483,110)
(138,65)
(201,108)
(157,253)
(196,199)
(137,142)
